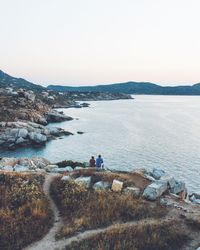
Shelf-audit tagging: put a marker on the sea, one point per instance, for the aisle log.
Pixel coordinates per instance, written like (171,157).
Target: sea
(145,132)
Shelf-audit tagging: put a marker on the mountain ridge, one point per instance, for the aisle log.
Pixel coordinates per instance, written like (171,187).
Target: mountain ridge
(129,87)
(133,88)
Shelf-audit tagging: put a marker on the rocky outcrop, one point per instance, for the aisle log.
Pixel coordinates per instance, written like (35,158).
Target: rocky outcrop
(55,116)
(15,134)
(23,164)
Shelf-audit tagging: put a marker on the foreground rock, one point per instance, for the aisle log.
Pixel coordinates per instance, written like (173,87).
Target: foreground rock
(22,134)
(155,190)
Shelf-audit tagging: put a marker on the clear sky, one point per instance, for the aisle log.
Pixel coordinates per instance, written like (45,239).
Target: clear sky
(78,42)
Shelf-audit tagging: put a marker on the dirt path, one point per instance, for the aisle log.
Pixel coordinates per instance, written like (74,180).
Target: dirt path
(48,242)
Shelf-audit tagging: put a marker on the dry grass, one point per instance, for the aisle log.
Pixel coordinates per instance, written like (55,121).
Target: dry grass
(193,223)
(86,209)
(157,236)
(24,210)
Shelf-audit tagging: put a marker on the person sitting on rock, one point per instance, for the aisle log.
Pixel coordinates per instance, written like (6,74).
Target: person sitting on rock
(99,162)
(92,162)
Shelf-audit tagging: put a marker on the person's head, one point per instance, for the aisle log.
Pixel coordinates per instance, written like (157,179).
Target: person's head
(92,157)
(99,156)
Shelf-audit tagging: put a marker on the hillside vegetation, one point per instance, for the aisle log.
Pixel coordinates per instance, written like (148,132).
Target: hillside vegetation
(25,215)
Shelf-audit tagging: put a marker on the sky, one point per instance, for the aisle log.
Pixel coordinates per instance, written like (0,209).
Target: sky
(88,42)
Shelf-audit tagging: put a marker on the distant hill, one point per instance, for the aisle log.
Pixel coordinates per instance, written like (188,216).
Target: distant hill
(9,81)
(146,88)
(133,88)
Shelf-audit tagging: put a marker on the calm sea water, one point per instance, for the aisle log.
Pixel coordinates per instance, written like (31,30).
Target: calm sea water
(149,131)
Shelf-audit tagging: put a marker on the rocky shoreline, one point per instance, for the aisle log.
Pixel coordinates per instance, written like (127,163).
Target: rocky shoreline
(23,134)
(24,114)
(159,185)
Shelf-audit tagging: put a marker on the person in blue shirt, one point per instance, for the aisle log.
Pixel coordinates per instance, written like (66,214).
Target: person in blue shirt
(99,162)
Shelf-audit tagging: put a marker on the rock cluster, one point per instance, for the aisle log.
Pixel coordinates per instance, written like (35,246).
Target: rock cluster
(14,134)
(162,183)
(162,188)
(23,164)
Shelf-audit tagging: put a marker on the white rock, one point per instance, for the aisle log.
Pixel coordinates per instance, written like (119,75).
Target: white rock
(40,162)
(50,168)
(157,173)
(66,178)
(69,169)
(101,185)
(133,190)
(20,168)
(148,177)
(86,181)
(23,133)
(78,168)
(20,140)
(40,170)
(117,185)
(155,190)
(7,168)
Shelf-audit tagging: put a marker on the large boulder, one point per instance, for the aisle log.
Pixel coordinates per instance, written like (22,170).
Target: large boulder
(102,185)
(86,181)
(37,137)
(20,168)
(23,133)
(5,161)
(27,162)
(157,173)
(155,190)
(51,168)
(117,186)
(40,162)
(7,168)
(66,178)
(178,187)
(170,181)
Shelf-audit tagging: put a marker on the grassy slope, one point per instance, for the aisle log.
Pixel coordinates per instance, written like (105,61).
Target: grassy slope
(24,210)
